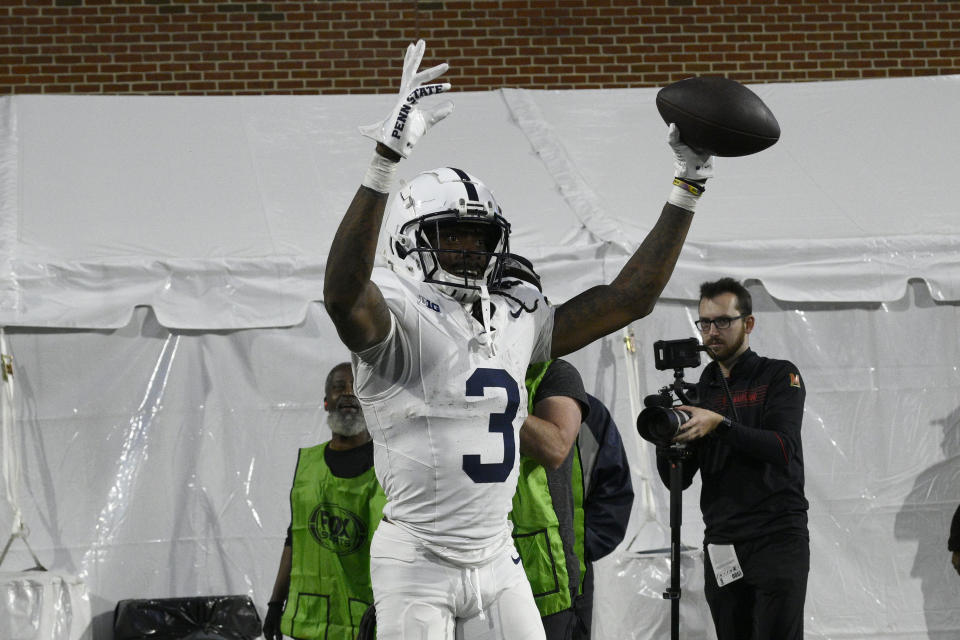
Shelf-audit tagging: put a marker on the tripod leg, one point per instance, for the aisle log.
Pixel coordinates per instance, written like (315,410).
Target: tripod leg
(676,518)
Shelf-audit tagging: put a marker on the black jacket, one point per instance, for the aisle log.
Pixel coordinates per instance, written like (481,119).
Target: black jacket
(954,543)
(752,471)
(608,489)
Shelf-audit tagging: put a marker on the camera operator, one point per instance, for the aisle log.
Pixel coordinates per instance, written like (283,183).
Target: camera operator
(744,438)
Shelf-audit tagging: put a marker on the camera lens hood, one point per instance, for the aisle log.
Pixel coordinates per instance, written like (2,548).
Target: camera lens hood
(660,425)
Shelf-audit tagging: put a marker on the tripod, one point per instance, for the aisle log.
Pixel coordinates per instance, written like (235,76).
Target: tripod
(675,455)
(659,423)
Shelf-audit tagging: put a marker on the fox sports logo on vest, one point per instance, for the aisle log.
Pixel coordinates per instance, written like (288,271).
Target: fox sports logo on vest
(337,529)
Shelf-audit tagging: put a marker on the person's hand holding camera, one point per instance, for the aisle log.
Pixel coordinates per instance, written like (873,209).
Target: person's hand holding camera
(701,423)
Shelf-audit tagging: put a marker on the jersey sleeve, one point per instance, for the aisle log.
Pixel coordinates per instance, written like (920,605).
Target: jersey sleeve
(378,368)
(543,316)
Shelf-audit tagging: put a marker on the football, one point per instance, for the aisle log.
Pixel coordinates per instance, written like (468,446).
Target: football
(718,116)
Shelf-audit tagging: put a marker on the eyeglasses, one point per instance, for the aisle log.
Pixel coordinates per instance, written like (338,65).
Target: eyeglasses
(723,322)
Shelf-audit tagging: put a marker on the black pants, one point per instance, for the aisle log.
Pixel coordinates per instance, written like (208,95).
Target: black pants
(584,607)
(573,623)
(767,602)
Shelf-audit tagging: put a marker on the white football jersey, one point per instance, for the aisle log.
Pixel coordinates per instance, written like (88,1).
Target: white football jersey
(444,406)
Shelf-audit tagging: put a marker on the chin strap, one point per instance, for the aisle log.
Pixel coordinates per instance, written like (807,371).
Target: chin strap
(487,336)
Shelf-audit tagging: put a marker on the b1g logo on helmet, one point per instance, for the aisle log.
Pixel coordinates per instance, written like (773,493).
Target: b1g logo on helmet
(337,529)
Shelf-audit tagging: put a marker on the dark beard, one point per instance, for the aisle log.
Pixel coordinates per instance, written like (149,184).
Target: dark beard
(728,352)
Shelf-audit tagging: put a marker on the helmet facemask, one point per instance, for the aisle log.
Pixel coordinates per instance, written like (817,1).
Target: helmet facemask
(448,261)
(440,209)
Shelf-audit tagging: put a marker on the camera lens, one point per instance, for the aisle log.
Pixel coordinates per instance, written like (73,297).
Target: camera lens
(660,425)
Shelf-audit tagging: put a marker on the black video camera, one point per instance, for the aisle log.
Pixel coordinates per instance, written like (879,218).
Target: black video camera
(660,421)
(676,354)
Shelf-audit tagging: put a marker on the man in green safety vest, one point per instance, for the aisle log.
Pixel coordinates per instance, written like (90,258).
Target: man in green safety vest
(547,516)
(323,587)
(574,496)
(574,493)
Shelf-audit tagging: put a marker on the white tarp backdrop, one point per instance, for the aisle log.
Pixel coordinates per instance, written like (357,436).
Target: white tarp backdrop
(161,274)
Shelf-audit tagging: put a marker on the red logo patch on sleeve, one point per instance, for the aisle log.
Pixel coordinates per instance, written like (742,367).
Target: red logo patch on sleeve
(794,380)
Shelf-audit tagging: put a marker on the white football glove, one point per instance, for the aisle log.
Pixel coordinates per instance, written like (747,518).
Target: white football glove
(408,121)
(688,163)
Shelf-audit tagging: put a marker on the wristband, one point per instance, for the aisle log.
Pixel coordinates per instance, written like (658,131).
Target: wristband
(380,174)
(696,188)
(725,425)
(683,195)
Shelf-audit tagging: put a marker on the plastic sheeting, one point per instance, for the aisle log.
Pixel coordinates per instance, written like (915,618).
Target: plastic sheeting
(158,464)
(647,577)
(218,211)
(157,444)
(43,605)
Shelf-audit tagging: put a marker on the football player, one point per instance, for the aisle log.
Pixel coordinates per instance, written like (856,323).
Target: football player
(440,345)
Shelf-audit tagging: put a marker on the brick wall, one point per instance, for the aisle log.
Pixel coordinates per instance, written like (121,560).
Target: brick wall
(229,47)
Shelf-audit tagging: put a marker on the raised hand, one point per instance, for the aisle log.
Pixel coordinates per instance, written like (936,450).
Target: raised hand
(408,120)
(689,164)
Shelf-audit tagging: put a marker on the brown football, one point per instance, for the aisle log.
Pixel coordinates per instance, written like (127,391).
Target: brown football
(718,116)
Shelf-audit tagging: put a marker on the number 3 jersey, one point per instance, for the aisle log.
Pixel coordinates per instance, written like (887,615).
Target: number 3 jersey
(444,402)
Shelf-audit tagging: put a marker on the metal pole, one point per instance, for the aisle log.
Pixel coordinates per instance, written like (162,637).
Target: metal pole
(676,519)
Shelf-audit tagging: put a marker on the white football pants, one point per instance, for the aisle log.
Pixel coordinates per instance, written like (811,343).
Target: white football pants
(420,596)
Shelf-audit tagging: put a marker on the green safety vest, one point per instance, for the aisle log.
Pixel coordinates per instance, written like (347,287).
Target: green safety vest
(536,530)
(333,520)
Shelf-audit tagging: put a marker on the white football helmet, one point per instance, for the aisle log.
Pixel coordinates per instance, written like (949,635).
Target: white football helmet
(435,197)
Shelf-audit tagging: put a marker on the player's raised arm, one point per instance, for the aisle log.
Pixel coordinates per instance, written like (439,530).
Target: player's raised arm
(353,301)
(605,308)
